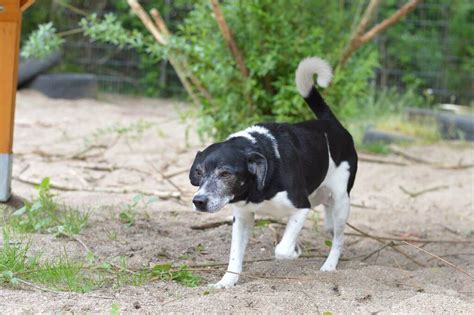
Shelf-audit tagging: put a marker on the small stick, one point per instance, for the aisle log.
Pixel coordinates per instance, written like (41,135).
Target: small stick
(407,156)
(454,254)
(379,161)
(388,238)
(391,243)
(163,177)
(212,225)
(454,167)
(421,192)
(219,264)
(355,205)
(77,239)
(381,241)
(439,258)
(38,287)
(160,194)
(177,172)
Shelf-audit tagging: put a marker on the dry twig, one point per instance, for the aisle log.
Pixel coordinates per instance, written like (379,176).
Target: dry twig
(381,241)
(421,192)
(407,156)
(114,190)
(389,238)
(212,225)
(378,250)
(439,258)
(370,159)
(176,173)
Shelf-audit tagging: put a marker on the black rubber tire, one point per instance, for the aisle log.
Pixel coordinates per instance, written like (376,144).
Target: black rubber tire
(30,68)
(377,136)
(421,114)
(66,85)
(454,126)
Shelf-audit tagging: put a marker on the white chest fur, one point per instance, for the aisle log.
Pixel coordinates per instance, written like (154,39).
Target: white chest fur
(279,206)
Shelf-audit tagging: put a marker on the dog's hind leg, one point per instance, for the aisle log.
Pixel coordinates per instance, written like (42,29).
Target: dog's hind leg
(287,248)
(339,211)
(242,225)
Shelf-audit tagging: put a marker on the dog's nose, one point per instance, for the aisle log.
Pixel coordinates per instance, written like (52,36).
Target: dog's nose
(200,201)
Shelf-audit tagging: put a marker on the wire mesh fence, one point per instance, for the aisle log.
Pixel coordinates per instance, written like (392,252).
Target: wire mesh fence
(434,61)
(431,65)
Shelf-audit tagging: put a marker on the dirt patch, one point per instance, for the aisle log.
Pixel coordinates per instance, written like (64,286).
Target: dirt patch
(71,142)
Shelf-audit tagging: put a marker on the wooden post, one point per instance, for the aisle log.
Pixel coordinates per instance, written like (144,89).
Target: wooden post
(10,29)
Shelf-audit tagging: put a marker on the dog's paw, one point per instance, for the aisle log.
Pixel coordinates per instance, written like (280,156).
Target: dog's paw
(283,252)
(228,281)
(328,267)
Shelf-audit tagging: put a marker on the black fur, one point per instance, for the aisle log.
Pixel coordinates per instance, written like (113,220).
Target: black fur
(303,162)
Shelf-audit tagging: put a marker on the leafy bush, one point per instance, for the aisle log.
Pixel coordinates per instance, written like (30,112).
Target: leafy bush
(41,42)
(272,44)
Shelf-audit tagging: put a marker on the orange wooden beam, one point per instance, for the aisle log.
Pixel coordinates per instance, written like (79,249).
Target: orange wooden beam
(10,29)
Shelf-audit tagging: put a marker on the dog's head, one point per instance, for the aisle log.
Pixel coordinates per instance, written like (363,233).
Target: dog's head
(226,172)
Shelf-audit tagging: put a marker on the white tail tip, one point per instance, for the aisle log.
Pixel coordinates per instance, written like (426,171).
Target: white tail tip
(305,71)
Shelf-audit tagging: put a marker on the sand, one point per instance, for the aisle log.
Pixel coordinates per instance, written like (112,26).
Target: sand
(49,134)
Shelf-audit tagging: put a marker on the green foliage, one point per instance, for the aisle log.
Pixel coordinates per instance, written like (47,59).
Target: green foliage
(114,309)
(375,147)
(18,266)
(110,30)
(432,44)
(132,131)
(182,275)
(379,105)
(44,214)
(272,43)
(128,214)
(42,42)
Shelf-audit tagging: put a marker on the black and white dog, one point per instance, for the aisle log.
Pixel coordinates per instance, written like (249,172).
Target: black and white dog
(281,169)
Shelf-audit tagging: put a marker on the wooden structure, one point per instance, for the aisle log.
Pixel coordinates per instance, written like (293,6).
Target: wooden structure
(10,29)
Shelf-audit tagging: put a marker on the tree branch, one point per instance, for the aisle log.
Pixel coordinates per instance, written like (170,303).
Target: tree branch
(354,42)
(152,28)
(407,8)
(359,38)
(229,38)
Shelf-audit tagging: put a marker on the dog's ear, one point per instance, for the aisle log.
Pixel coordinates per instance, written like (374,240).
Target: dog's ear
(193,176)
(257,165)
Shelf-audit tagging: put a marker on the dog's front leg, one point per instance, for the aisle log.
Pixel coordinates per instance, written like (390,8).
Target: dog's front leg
(287,248)
(242,225)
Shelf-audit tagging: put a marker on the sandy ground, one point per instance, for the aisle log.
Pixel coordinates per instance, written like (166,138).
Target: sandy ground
(50,133)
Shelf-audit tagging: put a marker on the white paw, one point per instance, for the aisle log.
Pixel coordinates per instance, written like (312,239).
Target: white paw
(228,281)
(328,267)
(284,252)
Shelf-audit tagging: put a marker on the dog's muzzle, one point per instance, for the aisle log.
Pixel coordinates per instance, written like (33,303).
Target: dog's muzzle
(200,201)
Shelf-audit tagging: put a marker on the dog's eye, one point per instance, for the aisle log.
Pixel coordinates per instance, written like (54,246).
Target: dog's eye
(225,174)
(198,172)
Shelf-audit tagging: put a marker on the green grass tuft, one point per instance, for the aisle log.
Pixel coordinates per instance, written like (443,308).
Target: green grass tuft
(43,214)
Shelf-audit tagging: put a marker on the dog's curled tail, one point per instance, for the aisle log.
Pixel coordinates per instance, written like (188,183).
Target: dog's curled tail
(307,68)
